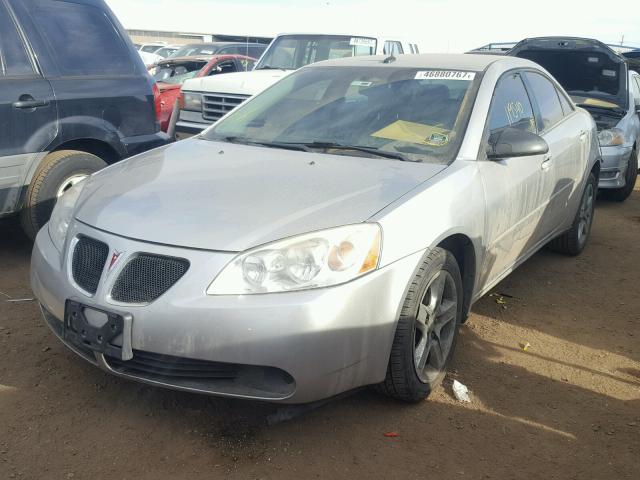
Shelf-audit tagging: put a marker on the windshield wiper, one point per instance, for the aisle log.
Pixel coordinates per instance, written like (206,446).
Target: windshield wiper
(246,141)
(359,148)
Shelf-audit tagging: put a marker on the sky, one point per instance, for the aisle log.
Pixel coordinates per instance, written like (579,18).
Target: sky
(436,25)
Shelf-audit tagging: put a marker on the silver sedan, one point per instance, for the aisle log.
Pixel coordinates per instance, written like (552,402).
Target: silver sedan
(332,232)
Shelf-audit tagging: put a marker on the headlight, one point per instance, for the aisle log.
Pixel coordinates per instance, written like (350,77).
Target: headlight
(610,138)
(319,259)
(191,101)
(63,214)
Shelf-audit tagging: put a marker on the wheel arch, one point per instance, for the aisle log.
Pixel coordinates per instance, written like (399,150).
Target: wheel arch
(463,250)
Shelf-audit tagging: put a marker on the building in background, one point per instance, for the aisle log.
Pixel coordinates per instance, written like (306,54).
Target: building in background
(183,38)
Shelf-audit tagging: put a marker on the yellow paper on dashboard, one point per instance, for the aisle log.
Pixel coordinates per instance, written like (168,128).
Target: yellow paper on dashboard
(415,133)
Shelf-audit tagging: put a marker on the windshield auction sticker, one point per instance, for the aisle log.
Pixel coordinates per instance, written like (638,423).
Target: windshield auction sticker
(445,75)
(362,42)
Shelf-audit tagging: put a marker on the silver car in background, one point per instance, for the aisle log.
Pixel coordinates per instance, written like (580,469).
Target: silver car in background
(332,232)
(598,80)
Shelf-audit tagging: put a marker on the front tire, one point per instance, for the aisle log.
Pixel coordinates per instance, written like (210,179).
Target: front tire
(58,172)
(621,194)
(427,329)
(573,241)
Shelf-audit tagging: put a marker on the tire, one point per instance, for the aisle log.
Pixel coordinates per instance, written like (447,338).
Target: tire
(58,170)
(621,194)
(405,380)
(573,241)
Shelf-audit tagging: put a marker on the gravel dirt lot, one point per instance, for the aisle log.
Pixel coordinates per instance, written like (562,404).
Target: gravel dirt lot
(567,407)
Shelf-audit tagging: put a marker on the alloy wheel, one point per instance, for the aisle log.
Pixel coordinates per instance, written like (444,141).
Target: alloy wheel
(586,214)
(435,325)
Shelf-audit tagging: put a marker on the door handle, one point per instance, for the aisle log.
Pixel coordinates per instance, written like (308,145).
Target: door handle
(546,163)
(28,104)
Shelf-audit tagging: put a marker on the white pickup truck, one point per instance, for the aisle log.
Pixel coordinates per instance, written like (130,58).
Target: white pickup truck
(205,100)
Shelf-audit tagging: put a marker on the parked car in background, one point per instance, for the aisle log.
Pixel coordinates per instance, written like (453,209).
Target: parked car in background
(332,232)
(598,80)
(172,72)
(253,50)
(167,51)
(151,47)
(67,108)
(149,59)
(208,99)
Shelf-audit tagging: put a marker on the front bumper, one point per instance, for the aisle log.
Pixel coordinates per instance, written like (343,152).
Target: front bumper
(614,166)
(290,347)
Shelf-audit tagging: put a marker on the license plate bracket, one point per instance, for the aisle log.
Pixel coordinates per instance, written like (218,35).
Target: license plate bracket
(78,330)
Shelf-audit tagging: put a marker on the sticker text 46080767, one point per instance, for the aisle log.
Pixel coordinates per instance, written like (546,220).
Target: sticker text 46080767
(445,75)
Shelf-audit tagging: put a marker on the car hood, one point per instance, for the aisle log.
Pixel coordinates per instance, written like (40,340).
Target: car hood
(239,83)
(586,68)
(229,197)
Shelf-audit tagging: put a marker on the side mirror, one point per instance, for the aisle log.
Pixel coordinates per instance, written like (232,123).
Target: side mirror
(638,108)
(511,142)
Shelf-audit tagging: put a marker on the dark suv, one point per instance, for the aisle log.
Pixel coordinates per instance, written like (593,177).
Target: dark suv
(74,97)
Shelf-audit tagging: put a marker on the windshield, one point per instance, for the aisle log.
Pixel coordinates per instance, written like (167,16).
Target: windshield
(291,52)
(176,73)
(196,49)
(416,114)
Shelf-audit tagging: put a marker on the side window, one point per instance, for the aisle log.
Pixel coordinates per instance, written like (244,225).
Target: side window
(567,108)
(393,48)
(82,39)
(255,52)
(245,64)
(224,67)
(511,106)
(14,61)
(546,96)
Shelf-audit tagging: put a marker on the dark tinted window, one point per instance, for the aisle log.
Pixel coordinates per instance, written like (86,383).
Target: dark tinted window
(546,96)
(511,106)
(255,52)
(13,56)
(83,39)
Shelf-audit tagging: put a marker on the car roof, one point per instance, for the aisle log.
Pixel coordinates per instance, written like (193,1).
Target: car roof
(457,61)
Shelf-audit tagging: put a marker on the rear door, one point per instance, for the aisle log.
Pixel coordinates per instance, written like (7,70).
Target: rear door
(515,188)
(27,110)
(568,140)
(102,88)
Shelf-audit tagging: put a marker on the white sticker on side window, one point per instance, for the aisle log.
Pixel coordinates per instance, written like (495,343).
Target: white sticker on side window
(362,42)
(445,75)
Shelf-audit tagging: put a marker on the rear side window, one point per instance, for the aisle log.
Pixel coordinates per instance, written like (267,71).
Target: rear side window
(511,106)
(546,96)
(14,61)
(567,108)
(83,39)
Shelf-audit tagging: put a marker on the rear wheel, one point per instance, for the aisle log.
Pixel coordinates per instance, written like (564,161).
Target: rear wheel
(621,194)
(573,241)
(427,329)
(58,172)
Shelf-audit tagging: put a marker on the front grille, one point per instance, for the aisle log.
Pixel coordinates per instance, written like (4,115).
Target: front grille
(146,277)
(215,105)
(150,365)
(89,257)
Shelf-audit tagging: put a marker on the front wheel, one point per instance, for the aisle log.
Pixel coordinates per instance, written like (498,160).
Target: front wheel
(573,241)
(427,329)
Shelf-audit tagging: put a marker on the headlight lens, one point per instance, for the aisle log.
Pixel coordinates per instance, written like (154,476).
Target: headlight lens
(610,138)
(63,214)
(191,101)
(319,259)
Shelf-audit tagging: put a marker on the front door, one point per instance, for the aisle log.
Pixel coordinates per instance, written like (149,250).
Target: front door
(515,188)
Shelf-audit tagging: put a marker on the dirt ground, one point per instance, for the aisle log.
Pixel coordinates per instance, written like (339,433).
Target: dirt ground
(566,408)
